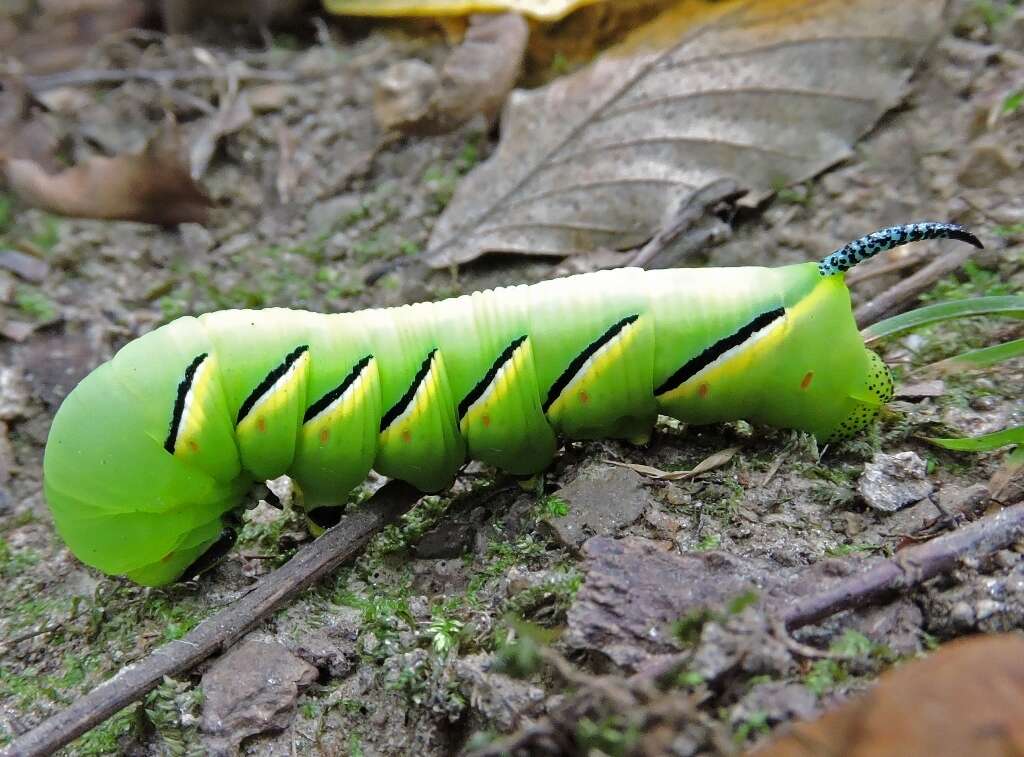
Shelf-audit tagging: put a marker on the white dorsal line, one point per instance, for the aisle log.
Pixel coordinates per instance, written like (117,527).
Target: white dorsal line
(598,354)
(190,395)
(730,353)
(355,386)
(492,387)
(424,384)
(277,385)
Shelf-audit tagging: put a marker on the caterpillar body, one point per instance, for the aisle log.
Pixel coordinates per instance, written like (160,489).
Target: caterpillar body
(152,449)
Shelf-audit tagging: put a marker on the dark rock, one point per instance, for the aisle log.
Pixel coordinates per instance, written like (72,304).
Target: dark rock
(602,499)
(897,625)
(634,592)
(921,389)
(251,689)
(745,644)
(777,701)
(54,363)
(891,482)
(14,394)
(27,267)
(502,700)
(332,648)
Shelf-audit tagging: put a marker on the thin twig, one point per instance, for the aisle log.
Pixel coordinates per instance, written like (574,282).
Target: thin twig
(222,629)
(907,289)
(693,209)
(88,77)
(911,567)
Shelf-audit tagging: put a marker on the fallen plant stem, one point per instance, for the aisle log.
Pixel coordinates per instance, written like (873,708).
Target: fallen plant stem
(910,567)
(687,218)
(89,77)
(223,628)
(882,268)
(909,288)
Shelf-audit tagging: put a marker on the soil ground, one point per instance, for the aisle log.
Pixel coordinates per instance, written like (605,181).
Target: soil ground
(415,644)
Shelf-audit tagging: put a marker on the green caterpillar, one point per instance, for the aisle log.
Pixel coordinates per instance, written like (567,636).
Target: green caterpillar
(154,447)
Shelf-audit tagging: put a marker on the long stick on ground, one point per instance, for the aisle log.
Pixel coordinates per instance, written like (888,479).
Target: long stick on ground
(221,630)
(911,567)
(909,288)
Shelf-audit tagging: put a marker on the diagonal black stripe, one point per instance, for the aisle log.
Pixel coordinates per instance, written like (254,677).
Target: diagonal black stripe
(179,400)
(478,391)
(403,402)
(324,402)
(264,386)
(696,364)
(563,380)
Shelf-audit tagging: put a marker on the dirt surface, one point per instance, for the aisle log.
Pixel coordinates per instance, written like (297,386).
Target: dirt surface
(432,641)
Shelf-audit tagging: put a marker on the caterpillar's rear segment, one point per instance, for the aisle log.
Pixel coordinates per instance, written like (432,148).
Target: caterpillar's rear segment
(864,402)
(122,502)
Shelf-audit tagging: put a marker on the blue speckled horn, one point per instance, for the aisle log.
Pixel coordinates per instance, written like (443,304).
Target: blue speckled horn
(848,256)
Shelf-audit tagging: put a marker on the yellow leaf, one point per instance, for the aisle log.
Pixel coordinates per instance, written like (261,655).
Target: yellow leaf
(545,10)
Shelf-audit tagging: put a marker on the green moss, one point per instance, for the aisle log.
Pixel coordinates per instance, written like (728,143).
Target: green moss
(755,724)
(551,507)
(549,602)
(166,708)
(33,303)
(105,739)
(5,213)
(13,563)
(613,735)
(851,647)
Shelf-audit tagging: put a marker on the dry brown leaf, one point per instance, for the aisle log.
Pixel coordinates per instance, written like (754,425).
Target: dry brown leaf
(477,78)
(1010,472)
(150,187)
(233,112)
(716,460)
(966,699)
(55,35)
(766,93)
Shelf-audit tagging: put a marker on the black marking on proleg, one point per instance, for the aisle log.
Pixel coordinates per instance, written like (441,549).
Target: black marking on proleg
(478,391)
(567,375)
(325,402)
(403,402)
(179,400)
(696,364)
(849,255)
(217,551)
(326,517)
(264,386)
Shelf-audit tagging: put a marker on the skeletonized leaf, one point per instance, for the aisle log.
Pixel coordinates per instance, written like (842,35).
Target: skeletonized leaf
(965,699)
(152,186)
(764,92)
(477,78)
(548,10)
(716,460)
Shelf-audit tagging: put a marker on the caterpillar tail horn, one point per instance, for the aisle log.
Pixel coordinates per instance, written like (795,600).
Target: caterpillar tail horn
(859,250)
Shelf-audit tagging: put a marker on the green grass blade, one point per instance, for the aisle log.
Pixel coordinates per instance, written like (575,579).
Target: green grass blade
(984,443)
(979,358)
(1007,305)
